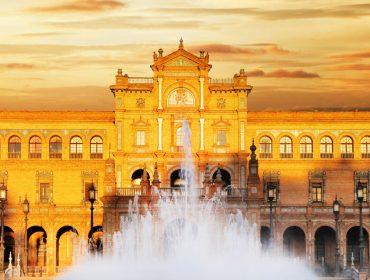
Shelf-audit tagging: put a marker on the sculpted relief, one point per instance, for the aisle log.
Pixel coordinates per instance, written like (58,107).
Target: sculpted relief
(181,97)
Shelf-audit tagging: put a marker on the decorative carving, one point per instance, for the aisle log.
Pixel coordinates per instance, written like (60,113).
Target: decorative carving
(181,97)
(140,103)
(221,103)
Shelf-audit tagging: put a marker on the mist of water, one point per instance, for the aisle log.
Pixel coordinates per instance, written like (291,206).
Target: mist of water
(183,238)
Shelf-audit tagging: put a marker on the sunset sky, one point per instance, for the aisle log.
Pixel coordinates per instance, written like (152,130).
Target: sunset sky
(63,54)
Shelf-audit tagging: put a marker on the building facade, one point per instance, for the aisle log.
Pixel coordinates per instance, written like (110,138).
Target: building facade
(52,158)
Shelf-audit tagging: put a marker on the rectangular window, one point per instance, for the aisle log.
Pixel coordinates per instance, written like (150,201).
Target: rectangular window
(44,192)
(317,194)
(221,138)
(140,138)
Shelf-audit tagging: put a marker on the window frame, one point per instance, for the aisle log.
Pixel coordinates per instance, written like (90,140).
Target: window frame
(53,154)
(35,147)
(75,148)
(324,151)
(14,147)
(286,148)
(96,148)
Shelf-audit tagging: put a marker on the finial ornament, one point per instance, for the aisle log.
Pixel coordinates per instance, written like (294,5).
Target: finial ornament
(181,45)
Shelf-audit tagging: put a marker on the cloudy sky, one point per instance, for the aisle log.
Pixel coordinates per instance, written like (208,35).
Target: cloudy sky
(299,54)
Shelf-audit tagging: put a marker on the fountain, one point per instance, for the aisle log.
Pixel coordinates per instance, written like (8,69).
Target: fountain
(187,238)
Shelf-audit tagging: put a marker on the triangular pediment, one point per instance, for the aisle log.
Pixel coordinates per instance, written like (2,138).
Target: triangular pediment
(181,61)
(180,58)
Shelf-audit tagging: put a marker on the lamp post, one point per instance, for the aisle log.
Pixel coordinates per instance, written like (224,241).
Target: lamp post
(92,199)
(360,190)
(3,198)
(271,192)
(336,206)
(26,210)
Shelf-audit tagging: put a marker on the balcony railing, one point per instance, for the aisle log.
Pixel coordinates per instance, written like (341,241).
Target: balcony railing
(221,81)
(286,155)
(34,155)
(55,155)
(140,80)
(365,155)
(346,155)
(306,155)
(326,155)
(265,155)
(96,156)
(75,156)
(14,155)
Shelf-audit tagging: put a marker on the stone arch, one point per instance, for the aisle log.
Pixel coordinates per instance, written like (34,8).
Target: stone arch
(353,245)
(37,239)
(9,245)
(66,242)
(170,88)
(136,176)
(176,179)
(264,236)
(226,176)
(325,244)
(294,241)
(95,236)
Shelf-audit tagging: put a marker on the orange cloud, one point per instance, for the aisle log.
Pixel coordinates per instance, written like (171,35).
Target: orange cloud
(281,73)
(229,49)
(80,6)
(23,66)
(353,67)
(354,55)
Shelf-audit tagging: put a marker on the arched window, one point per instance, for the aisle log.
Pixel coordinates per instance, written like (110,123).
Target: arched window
(75,147)
(265,147)
(179,137)
(96,147)
(346,147)
(286,147)
(14,147)
(305,147)
(35,147)
(55,147)
(326,147)
(365,147)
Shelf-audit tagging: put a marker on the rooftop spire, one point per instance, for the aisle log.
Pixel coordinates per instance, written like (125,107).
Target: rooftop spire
(181,45)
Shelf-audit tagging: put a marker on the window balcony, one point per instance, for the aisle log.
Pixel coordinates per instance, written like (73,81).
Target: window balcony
(365,155)
(14,155)
(34,155)
(55,155)
(346,155)
(326,155)
(265,155)
(286,155)
(96,156)
(306,155)
(75,156)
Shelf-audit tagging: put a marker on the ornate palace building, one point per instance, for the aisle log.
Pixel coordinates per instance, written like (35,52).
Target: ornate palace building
(53,158)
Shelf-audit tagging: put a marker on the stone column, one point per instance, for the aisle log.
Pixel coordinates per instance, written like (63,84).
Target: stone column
(201,122)
(160,80)
(119,135)
(160,125)
(201,85)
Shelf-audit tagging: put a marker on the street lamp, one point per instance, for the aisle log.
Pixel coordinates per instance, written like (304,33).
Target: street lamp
(26,210)
(271,195)
(336,206)
(361,190)
(3,198)
(92,199)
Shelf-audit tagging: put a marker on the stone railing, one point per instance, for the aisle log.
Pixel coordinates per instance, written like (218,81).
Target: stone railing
(221,81)
(140,80)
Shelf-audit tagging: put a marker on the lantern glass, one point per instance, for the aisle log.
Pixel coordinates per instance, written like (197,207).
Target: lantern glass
(360,193)
(26,206)
(92,193)
(3,194)
(336,207)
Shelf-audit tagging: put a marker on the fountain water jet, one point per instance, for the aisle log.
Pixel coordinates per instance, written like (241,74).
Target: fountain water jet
(188,238)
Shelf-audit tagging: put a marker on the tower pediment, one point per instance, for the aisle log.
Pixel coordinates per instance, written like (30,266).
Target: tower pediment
(180,58)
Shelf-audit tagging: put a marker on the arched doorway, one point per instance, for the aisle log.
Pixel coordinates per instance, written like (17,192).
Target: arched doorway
(225,176)
(265,237)
(67,243)
(353,246)
(325,247)
(178,178)
(136,177)
(96,239)
(37,239)
(9,244)
(294,241)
